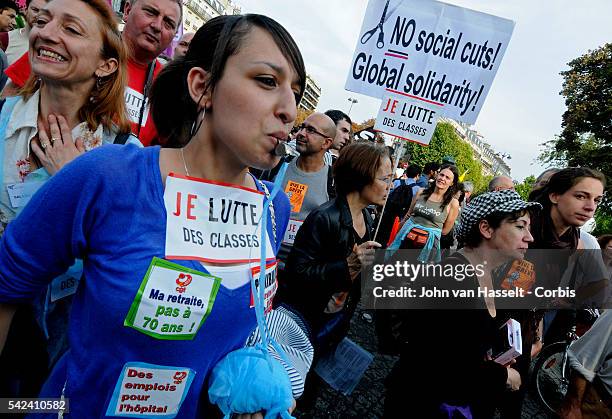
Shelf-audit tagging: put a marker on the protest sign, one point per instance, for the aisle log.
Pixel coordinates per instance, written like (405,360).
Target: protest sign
(431,51)
(148,390)
(291,232)
(270,285)
(213,222)
(172,302)
(407,118)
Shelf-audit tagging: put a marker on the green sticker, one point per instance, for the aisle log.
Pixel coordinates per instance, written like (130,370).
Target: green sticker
(172,302)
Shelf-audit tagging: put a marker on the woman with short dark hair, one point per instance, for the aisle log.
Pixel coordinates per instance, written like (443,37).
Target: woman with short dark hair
(322,271)
(446,366)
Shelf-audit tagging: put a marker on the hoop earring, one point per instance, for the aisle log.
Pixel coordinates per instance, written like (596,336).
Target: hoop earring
(195,127)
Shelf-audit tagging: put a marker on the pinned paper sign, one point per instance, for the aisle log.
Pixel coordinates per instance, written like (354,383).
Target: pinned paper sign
(148,390)
(408,118)
(431,50)
(213,222)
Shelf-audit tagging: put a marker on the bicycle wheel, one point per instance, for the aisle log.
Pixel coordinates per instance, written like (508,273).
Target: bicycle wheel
(551,379)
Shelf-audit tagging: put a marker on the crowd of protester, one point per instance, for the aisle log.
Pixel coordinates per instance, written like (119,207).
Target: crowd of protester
(95,130)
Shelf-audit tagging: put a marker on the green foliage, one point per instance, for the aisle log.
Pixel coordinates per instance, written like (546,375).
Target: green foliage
(524,188)
(446,141)
(586,138)
(603,224)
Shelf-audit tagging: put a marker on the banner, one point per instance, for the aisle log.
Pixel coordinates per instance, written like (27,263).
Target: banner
(440,54)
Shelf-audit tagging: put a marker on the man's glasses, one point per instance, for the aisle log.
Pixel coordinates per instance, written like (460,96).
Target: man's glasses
(311,130)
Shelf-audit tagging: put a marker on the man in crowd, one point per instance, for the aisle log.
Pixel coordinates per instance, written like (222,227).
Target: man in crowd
(17,40)
(183,45)
(429,173)
(308,181)
(343,134)
(150,26)
(500,183)
(411,175)
(8,16)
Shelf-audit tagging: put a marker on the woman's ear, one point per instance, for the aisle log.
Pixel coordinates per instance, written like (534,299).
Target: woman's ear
(197,83)
(554,198)
(107,67)
(485,229)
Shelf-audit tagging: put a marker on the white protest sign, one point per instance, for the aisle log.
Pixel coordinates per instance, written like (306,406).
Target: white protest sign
(147,390)
(429,50)
(21,193)
(213,222)
(407,118)
(291,232)
(270,286)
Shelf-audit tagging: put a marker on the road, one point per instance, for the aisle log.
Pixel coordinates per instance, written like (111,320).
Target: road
(367,400)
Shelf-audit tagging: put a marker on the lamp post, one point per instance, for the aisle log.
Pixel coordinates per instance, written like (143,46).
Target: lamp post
(353,101)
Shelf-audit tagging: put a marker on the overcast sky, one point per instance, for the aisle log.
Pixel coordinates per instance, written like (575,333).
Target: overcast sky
(523,108)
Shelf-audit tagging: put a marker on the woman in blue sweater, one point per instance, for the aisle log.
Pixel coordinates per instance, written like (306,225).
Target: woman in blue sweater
(168,236)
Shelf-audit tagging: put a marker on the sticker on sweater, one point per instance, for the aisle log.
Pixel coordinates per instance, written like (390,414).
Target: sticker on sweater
(291,232)
(296,192)
(172,302)
(147,390)
(270,286)
(21,193)
(213,222)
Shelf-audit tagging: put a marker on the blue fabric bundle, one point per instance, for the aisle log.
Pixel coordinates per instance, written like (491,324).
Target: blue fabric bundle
(248,381)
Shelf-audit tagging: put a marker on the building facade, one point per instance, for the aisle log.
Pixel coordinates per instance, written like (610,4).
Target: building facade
(493,163)
(312,93)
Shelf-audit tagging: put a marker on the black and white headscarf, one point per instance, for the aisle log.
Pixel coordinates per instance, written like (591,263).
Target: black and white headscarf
(506,201)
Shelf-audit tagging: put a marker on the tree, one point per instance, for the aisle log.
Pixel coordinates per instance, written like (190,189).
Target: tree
(446,142)
(365,124)
(302,114)
(524,188)
(586,136)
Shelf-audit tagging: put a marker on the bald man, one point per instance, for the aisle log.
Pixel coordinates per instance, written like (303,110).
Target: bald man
(500,183)
(183,45)
(307,181)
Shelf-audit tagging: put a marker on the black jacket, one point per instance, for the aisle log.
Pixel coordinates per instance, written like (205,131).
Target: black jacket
(316,267)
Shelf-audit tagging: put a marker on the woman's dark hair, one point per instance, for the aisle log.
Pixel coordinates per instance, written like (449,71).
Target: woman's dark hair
(474,238)
(448,195)
(542,227)
(604,240)
(561,182)
(172,108)
(357,166)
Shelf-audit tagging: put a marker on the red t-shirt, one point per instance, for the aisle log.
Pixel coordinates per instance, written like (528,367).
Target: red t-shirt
(20,70)
(137,75)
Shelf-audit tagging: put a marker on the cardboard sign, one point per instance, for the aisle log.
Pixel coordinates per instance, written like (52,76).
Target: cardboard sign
(429,50)
(172,302)
(21,193)
(509,343)
(270,286)
(296,192)
(291,232)
(407,118)
(213,222)
(148,390)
